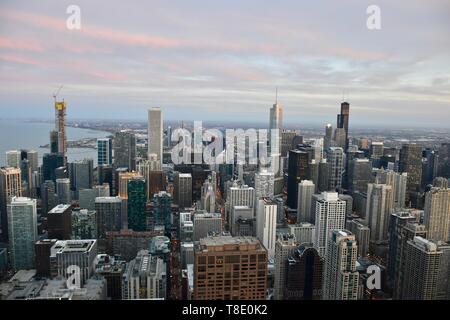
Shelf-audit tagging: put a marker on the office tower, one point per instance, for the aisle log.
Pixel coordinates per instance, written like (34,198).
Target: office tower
(340,281)
(362,235)
(264,184)
(54,141)
(10,186)
(42,254)
(359,174)
(48,197)
(137,200)
(422,262)
(162,209)
(348,203)
(304,275)
(125,150)
(108,215)
(343,121)
(330,215)
(60,127)
(13,158)
(81,253)
(59,222)
(87,196)
(153,174)
(444,160)
(398,236)
(328,138)
(376,149)
(298,170)
(215,255)
(205,223)
(239,195)
(32,157)
(285,246)
(398,183)
(276,117)
(63,191)
(104,151)
(266,224)
(112,269)
(182,189)
(144,278)
(123,180)
(305,191)
(335,160)
(22,228)
(411,163)
(339,138)
(208,198)
(105,175)
(323,180)
(155,133)
(50,162)
(287,141)
(378,210)
(437,214)
(81,174)
(304,232)
(430,159)
(84,224)
(242,221)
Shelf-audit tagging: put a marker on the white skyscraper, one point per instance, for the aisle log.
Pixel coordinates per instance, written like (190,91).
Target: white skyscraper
(264,184)
(378,210)
(239,195)
(330,215)
(266,221)
(155,133)
(437,214)
(22,228)
(13,158)
(336,161)
(341,280)
(305,191)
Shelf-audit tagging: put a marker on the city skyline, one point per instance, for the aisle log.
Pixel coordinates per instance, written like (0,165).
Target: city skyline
(208,61)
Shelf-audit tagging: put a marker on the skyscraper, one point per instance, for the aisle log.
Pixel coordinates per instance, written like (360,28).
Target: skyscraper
(264,184)
(341,280)
(182,189)
(362,235)
(204,223)
(60,127)
(328,138)
(50,162)
(285,246)
(63,191)
(343,121)
(378,210)
(304,275)
(22,221)
(437,214)
(162,209)
(298,170)
(336,166)
(81,175)
(125,150)
(104,151)
(59,221)
(411,163)
(214,255)
(108,215)
(305,191)
(13,158)
(330,215)
(266,221)
(137,199)
(10,186)
(155,133)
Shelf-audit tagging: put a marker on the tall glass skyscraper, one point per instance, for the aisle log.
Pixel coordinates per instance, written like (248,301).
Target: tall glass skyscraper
(137,200)
(104,151)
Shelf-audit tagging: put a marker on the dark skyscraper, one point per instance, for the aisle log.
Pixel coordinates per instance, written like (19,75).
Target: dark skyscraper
(444,160)
(298,170)
(328,138)
(50,162)
(343,120)
(137,200)
(125,150)
(411,163)
(304,275)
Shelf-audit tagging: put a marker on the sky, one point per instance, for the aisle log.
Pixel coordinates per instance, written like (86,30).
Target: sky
(223,60)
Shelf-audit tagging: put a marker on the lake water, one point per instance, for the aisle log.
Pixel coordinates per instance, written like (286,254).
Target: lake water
(16,135)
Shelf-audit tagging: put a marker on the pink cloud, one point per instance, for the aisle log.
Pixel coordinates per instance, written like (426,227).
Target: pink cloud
(19,60)
(26,45)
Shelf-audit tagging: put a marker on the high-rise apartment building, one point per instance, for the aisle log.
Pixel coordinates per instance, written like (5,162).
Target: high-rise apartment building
(341,280)
(155,133)
(330,215)
(437,214)
(266,221)
(285,246)
(378,210)
(10,186)
(336,166)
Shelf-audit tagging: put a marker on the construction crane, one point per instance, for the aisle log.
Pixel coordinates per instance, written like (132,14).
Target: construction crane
(55,94)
